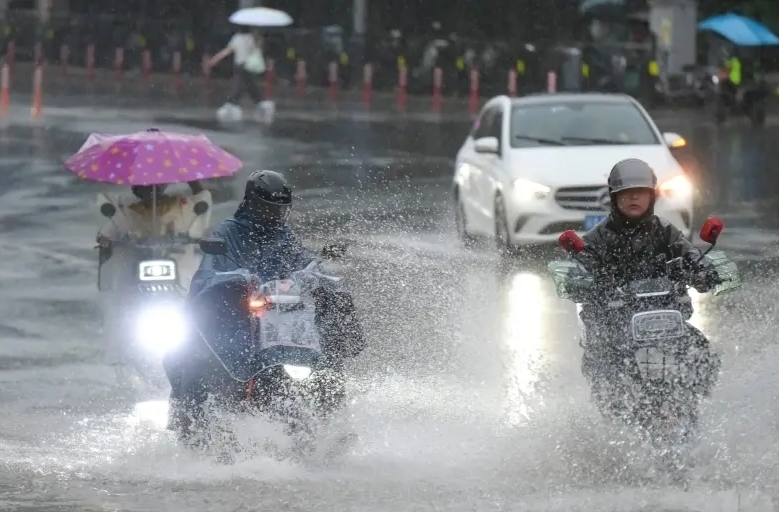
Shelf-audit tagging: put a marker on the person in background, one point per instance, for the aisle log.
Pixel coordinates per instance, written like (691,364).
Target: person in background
(249,66)
(732,81)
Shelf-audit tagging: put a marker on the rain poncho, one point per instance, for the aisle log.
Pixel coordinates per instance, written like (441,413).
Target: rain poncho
(621,252)
(272,254)
(269,254)
(617,252)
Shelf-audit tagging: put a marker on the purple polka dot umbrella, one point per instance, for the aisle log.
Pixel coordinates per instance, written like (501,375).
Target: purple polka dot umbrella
(151,157)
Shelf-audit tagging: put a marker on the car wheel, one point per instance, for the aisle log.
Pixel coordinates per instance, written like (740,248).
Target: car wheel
(502,236)
(461,226)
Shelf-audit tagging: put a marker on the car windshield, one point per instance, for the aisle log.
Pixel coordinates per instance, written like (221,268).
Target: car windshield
(578,123)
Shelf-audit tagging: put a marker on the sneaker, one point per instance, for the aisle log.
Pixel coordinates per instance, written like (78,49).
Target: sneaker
(236,113)
(265,111)
(229,112)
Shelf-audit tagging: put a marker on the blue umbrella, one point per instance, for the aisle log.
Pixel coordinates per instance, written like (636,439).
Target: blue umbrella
(740,30)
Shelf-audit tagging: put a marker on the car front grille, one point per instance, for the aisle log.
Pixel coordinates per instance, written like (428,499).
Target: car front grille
(589,199)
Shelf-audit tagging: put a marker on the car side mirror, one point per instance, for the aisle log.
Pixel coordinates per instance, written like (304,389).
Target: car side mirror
(674,140)
(200,208)
(213,246)
(487,145)
(108,210)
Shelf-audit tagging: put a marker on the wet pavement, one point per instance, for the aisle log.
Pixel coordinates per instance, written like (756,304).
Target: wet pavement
(470,395)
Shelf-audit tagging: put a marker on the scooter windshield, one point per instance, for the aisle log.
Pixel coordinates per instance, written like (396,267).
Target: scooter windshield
(659,285)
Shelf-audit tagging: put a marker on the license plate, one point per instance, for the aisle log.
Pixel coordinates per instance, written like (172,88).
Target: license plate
(656,325)
(291,329)
(590,221)
(655,364)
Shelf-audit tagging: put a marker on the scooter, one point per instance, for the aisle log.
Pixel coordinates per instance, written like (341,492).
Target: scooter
(260,355)
(152,319)
(749,100)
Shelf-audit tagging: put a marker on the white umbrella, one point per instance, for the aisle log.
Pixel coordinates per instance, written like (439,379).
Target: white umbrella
(261,17)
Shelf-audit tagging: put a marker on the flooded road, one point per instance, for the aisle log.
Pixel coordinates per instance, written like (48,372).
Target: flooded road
(470,396)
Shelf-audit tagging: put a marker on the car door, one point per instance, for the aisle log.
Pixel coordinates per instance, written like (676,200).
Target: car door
(472,164)
(492,167)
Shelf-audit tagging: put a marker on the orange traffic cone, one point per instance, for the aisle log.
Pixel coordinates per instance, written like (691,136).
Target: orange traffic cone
(5,86)
(37,93)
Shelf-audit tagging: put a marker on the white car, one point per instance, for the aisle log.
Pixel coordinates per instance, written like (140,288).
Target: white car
(536,166)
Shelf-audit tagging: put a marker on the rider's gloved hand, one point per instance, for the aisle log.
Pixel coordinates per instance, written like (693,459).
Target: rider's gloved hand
(705,280)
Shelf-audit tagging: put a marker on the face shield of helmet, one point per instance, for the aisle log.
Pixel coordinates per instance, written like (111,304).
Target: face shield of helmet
(272,214)
(267,199)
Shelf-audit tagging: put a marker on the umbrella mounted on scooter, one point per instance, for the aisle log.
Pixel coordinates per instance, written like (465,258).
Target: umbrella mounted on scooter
(151,157)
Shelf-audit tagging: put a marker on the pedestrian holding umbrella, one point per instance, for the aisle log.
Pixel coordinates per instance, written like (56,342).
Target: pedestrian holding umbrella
(249,61)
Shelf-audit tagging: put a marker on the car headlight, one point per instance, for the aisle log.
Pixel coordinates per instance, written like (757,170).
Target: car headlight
(526,190)
(678,186)
(162,328)
(157,270)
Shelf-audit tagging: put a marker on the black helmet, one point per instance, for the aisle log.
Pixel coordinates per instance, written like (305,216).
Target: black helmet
(631,173)
(268,198)
(147,192)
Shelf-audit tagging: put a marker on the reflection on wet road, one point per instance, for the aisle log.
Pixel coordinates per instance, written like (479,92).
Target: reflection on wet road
(470,395)
(740,172)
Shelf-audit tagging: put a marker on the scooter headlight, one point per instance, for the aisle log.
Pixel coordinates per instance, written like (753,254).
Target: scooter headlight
(161,328)
(157,270)
(297,372)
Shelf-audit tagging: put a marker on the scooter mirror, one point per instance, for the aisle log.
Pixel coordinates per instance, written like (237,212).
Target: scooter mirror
(571,242)
(711,230)
(107,210)
(200,208)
